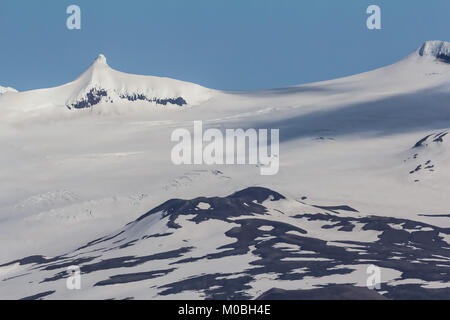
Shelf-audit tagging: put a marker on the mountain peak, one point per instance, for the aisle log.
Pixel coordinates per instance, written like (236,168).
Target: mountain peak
(101,59)
(102,84)
(439,50)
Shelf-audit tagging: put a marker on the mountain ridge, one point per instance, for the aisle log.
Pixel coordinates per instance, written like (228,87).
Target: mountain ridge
(109,91)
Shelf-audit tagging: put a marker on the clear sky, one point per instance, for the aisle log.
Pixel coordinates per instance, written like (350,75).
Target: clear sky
(222,44)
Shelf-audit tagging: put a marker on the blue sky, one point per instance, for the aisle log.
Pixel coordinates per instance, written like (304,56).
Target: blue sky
(222,44)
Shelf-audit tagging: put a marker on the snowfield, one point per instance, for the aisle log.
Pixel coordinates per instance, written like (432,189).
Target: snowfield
(364,172)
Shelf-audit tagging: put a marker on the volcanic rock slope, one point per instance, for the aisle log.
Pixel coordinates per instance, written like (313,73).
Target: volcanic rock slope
(241,247)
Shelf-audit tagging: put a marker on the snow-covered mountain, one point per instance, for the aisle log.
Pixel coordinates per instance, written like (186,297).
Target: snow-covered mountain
(364,179)
(100,85)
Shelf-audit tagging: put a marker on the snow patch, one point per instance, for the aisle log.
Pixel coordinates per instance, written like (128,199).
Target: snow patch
(204,206)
